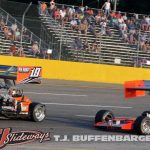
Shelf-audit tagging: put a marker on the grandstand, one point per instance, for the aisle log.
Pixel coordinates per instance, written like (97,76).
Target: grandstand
(101,43)
(113,50)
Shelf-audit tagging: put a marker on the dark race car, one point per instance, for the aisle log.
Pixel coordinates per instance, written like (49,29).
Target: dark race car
(13,103)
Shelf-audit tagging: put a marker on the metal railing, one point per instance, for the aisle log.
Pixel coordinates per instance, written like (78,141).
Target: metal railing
(9,20)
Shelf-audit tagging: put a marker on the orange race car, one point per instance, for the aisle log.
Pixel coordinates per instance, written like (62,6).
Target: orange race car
(105,119)
(14,104)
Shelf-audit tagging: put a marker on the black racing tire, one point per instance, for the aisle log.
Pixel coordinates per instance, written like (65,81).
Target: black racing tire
(146,113)
(37,112)
(142,125)
(104,115)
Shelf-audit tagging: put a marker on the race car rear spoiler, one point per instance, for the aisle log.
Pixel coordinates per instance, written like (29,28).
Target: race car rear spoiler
(136,88)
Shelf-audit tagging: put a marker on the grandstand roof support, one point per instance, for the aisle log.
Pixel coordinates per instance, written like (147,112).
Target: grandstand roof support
(115,5)
(23,17)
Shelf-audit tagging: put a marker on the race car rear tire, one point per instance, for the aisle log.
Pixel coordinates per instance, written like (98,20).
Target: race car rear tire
(37,112)
(103,115)
(142,125)
(146,114)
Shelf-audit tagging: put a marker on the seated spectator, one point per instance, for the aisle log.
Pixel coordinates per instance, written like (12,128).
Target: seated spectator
(146,23)
(2,24)
(71,11)
(86,45)
(20,52)
(35,49)
(92,29)
(131,27)
(74,24)
(10,35)
(17,35)
(13,49)
(25,36)
(98,17)
(103,27)
(95,47)
(57,14)
(62,14)
(108,31)
(83,27)
(77,44)
(6,32)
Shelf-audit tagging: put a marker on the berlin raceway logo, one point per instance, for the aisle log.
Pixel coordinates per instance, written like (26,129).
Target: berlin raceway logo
(7,137)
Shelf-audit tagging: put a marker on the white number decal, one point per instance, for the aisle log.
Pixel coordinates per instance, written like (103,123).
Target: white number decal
(35,72)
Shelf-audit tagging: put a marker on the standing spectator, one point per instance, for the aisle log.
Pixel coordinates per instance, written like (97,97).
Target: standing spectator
(107,7)
(13,49)
(62,13)
(43,8)
(52,5)
(103,27)
(14,28)
(17,35)
(2,24)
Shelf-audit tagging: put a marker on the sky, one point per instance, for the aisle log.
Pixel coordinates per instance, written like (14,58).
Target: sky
(137,6)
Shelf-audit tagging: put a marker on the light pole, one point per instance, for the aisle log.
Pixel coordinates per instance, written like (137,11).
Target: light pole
(115,5)
(23,16)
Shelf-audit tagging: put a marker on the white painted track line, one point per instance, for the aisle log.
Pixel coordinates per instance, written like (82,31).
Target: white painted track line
(56,94)
(82,105)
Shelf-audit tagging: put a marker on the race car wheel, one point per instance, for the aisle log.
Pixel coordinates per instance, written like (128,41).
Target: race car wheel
(103,115)
(37,112)
(142,125)
(146,114)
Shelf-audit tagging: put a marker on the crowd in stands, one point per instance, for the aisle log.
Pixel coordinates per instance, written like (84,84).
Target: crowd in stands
(13,33)
(84,20)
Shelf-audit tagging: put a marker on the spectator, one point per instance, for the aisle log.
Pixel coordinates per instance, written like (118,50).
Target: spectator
(92,29)
(83,27)
(57,14)
(13,49)
(103,27)
(14,28)
(77,44)
(107,8)
(146,23)
(25,35)
(6,32)
(17,35)
(20,52)
(62,13)
(86,45)
(71,11)
(35,49)
(95,47)
(74,24)
(2,24)
(43,8)
(52,5)
(108,31)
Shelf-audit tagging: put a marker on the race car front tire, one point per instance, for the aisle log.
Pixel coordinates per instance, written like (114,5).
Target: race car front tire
(142,125)
(104,116)
(37,112)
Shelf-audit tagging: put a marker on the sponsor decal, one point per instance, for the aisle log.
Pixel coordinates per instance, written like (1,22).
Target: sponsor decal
(7,137)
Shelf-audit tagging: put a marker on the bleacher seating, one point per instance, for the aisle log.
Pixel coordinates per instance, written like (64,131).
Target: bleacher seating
(26,43)
(112,48)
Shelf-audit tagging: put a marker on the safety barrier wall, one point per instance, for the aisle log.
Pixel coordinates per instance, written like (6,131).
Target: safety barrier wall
(80,71)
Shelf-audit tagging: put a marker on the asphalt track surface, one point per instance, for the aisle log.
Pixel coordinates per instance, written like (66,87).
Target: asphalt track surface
(71,107)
